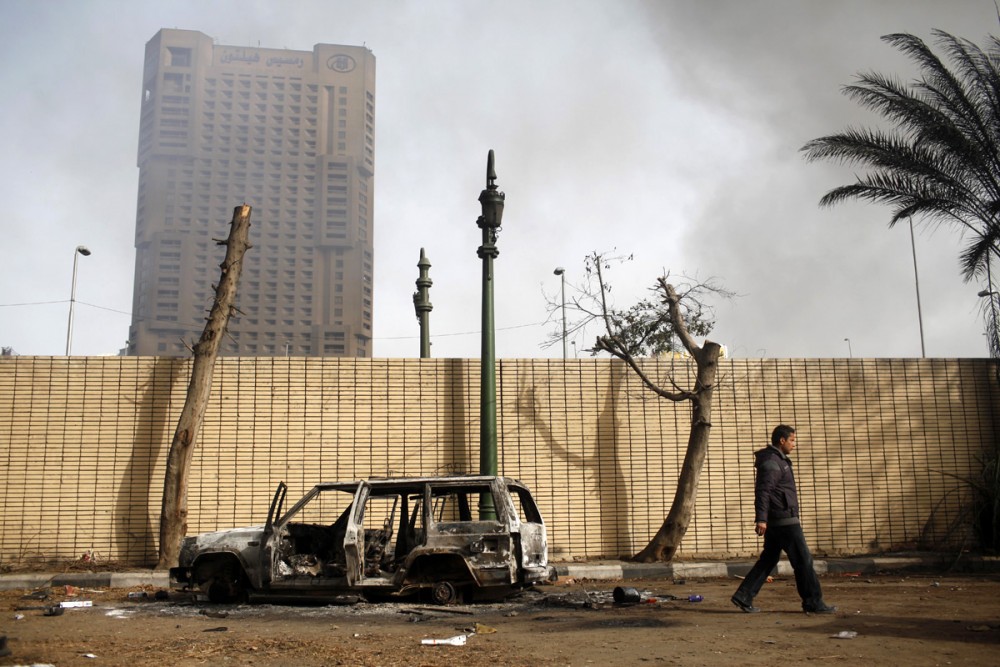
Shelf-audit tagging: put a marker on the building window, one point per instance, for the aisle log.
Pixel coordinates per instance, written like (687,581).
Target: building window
(173,82)
(179,57)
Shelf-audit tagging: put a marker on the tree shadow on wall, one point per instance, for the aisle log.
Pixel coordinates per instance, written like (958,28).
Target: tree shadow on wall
(603,473)
(457,431)
(134,532)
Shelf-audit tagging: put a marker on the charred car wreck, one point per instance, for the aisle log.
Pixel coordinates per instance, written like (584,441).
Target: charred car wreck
(381,538)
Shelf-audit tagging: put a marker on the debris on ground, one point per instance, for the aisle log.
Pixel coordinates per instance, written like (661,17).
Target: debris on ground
(458,640)
(626,595)
(437,610)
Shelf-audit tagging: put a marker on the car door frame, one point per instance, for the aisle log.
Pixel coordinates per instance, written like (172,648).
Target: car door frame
(268,547)
(354,536)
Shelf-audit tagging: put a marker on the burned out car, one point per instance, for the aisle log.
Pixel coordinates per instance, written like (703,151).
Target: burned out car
(450,538)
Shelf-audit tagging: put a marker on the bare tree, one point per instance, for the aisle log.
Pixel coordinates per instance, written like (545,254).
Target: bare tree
(173,517)
(665,323)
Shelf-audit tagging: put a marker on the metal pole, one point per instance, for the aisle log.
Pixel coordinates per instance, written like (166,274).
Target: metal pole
(916,280)
(561,272)
(850,352)
(488,396)
(563,287)
(993,307)
(80,250)
(492,201)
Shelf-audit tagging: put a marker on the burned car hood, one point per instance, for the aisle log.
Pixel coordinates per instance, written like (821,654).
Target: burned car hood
(232,540)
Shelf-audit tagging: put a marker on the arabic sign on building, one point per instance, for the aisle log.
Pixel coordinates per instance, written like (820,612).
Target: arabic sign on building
(229,56)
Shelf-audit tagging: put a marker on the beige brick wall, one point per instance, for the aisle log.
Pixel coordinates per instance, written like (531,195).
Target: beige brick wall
(83,443)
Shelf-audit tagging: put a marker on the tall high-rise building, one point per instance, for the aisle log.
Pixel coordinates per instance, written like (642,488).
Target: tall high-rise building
(292,133)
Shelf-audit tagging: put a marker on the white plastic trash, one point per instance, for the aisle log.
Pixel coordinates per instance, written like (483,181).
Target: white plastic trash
(76,603)
(458,640)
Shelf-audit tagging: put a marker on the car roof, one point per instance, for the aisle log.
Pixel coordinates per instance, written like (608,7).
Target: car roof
(408,482)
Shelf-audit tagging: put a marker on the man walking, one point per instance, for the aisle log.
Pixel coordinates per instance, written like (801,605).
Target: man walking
(776,516)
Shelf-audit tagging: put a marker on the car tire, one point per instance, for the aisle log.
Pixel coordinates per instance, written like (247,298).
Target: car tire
(444,593)
(227,592)
(223,581)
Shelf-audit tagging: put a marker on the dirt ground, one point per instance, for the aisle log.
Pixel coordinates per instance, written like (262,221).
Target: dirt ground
(899,619)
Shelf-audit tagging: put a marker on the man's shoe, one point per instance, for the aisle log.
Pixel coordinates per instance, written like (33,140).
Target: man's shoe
(822,608)
(744,606)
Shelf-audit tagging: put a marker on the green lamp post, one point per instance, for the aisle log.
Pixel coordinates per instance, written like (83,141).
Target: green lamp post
(492,201)
(422,304)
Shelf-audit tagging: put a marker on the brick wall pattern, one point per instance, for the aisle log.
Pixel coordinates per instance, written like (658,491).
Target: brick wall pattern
(884,446)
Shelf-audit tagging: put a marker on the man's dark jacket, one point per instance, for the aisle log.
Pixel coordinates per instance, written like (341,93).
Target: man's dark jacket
(775,499)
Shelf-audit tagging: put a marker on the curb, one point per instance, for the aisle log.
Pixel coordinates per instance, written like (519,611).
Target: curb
(85,580)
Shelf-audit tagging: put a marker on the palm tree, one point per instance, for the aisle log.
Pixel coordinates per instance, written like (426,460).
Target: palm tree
(940,162)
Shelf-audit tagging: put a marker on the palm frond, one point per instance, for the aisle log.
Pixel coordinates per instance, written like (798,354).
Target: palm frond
(930,117)
(916,167)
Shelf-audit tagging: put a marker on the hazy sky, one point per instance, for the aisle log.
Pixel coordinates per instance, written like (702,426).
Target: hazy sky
(667,129)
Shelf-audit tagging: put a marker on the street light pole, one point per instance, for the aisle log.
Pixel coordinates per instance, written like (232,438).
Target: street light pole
(80,250)
(492,201)
(993,309)
(850,352)
(561,272)
(422,304)
(916,280)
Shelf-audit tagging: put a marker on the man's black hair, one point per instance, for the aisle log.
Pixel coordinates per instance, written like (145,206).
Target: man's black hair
(780,432)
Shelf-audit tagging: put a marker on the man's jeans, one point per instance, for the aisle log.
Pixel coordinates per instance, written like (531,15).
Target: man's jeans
(792,541)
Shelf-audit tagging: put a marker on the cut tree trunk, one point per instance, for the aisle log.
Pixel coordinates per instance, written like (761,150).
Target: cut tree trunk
(173,517)
(668,538)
